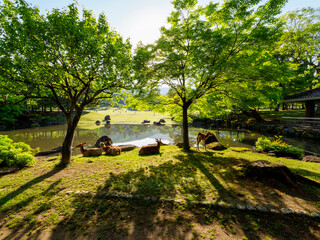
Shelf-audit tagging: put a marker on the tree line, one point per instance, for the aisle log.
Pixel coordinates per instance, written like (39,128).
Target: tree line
(239,54)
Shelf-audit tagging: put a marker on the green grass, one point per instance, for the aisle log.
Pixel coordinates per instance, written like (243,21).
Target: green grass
(45,196)
(120,116)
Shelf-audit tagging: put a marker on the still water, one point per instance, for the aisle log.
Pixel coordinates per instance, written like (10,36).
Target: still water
(47,138)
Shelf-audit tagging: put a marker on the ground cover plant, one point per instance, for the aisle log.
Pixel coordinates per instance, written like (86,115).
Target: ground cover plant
(15,154)
(279,147)
(47,201)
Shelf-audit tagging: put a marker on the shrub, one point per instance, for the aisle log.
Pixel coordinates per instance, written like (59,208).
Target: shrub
(23,146)
(24,159)
(278,147)
(15,154)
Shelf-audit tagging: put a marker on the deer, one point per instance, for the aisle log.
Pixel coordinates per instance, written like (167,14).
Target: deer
(151,149)
(202,137)
(89,151)
(110,150)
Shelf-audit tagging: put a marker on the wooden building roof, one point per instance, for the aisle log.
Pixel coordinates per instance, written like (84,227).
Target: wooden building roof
(309,95)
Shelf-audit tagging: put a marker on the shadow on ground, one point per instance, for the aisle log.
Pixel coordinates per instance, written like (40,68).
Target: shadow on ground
(100,217)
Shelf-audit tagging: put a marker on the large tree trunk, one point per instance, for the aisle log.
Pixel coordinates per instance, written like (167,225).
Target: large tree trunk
(185,129)
(66,152)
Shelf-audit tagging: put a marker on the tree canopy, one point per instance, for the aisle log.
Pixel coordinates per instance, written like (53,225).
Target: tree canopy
(70,60)
(201,49)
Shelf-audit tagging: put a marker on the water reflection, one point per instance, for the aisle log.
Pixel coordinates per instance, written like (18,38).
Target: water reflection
(47,138)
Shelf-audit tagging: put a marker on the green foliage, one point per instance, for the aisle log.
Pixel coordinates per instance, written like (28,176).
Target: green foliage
(299,47)
(15,154)
(9,113)
(278,147)
(206,49)
(73,60)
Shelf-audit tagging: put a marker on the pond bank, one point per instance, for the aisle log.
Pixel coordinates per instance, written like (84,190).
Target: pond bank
(270,127)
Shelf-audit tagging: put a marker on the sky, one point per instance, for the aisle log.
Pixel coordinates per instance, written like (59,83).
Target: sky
(141,20)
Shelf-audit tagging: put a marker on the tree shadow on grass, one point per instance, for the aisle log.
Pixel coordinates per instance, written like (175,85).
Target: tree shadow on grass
(28,185)
(226,177)
(117,216)
(102,216)
(30,221)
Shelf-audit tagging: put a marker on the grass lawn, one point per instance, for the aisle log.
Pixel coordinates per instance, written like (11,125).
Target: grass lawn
(47,202)
(120,116)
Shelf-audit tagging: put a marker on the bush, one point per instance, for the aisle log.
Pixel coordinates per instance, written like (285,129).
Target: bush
(278,147)
(15,154)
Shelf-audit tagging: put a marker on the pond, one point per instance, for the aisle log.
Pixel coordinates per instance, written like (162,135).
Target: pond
(47,138)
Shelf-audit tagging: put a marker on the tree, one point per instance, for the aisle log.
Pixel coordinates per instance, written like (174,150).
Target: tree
(300,46)
(196,54)
(61,57)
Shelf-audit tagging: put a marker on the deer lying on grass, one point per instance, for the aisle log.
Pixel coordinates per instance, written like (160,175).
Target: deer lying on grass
(202,137)
(89,151)
(110,150)
(151,149)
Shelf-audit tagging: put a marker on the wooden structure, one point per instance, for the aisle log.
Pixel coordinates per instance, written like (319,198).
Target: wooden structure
(311,98)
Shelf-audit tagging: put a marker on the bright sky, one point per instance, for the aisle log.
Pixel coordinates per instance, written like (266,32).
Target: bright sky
(140,20)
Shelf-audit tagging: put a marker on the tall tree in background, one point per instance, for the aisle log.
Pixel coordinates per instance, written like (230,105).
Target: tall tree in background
(62,58)
(300,46)
(195,54)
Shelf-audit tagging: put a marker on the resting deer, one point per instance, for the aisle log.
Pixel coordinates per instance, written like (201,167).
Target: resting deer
(89,151)
(202,137)
(151,149)
(110,150)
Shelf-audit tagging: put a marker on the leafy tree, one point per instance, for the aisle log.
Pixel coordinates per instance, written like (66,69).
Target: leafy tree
(196,54)
(300,46)
(60,57)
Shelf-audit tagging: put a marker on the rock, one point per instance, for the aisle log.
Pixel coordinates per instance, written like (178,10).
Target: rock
(107,118)
(145,121)
(274,211)
(222,204)
(261,209)
(301,212)
(215,146)
(103,139)
(98,122)
(274,194)
(241,207)
(127,147)
(311,158)
(250,207)
(287,210)
(162,121)
(158,124)
(314,214)
(180,145)
(264,170)
(210,139)
(289,131)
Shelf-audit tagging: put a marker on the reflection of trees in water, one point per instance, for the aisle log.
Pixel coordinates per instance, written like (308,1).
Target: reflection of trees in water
(47,138)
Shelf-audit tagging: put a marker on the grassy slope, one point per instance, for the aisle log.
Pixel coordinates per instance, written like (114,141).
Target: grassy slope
(37,198)
(119,116)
